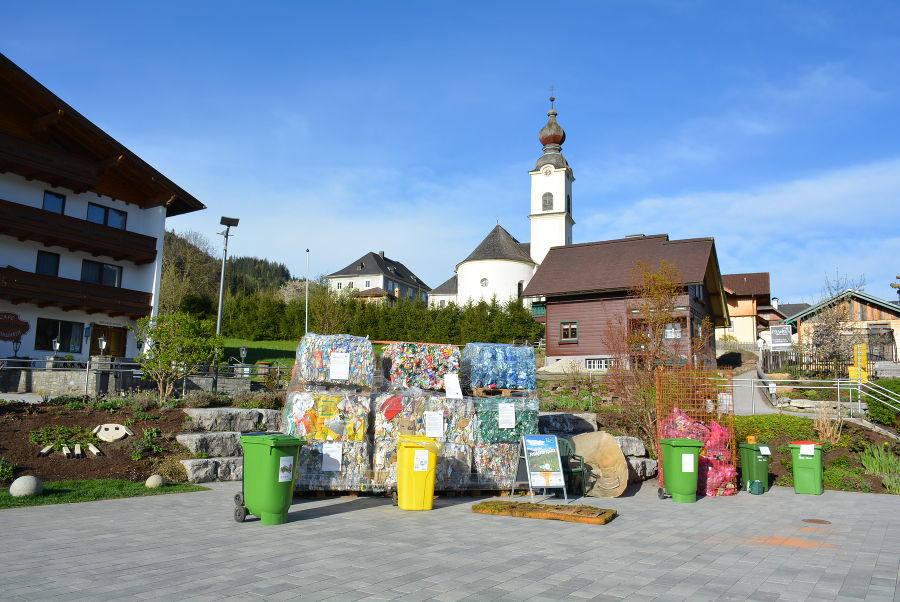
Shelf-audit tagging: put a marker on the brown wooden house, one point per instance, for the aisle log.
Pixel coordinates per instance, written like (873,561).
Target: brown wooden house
(583,289)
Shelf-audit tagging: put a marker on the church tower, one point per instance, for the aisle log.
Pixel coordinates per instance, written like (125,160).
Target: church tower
(551,192)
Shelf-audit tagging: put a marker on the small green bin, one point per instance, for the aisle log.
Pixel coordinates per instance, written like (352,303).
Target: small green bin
(270,461)
(754,466)
(808,471)
(680,468)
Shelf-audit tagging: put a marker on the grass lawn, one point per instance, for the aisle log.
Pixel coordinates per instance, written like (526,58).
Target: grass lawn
(67,492)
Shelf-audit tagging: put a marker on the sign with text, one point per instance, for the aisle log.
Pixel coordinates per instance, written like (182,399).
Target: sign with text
(544,464)
(781,337)
(339,367)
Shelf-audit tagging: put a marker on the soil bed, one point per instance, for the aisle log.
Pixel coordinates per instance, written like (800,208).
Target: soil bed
(17,420)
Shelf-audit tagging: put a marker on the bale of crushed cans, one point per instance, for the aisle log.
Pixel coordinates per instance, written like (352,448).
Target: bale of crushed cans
(496,365)
(421,365)
(322,358)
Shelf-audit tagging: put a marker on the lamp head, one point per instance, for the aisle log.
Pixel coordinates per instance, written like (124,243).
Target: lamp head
(229,221)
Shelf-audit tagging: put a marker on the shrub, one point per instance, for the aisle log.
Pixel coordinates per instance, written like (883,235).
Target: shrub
(143,400)
(847,479)
(880,460)
(170,467)
(265,400)
(147,444)
(773,426)
(58,435)
(6,470)
(204,399)
(880,411)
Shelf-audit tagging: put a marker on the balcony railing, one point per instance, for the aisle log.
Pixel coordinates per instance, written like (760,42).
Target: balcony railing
(52,229)
(17,286)
(35,160)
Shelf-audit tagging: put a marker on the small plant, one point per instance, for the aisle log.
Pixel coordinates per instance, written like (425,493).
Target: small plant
(267,400)
(6,470)
(147,444)
(201,455)
(891,483)
(829,422)
(205,399)
(840,462)
(880,460)
(58,435)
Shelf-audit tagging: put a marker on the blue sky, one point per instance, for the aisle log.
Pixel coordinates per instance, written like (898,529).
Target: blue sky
(410,127)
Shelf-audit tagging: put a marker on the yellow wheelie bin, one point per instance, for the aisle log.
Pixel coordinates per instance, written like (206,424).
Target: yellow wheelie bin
(416,462)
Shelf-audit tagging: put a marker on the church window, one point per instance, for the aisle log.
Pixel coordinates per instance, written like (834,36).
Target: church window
(569,203)
(547,201)
(519,288)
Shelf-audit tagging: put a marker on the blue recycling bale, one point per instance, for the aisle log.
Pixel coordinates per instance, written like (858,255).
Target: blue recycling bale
(499,365)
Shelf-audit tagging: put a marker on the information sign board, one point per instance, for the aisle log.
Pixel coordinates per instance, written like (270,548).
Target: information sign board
(781,337)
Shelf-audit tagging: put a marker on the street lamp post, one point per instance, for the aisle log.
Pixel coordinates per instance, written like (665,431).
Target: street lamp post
(306,302)
(228,222)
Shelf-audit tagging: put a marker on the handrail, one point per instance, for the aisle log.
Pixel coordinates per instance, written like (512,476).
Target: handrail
(877,389)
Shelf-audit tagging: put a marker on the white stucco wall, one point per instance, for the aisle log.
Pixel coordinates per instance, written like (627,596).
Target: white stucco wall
(553,227)
(435,300)
(502,279)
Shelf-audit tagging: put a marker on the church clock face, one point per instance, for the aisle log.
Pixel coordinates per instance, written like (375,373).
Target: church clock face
(547,170)
(484,282)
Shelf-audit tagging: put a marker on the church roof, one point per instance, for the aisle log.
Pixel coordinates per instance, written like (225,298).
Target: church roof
(377,263)
(499,244)
(450,287)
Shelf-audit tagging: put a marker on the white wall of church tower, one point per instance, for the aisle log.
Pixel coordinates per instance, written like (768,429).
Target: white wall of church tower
(551,216)
(482,280)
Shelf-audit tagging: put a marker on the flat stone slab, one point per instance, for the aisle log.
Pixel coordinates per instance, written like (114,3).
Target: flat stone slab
(208,470)
(632,446)
(214,444)
(234,419)
(566,423)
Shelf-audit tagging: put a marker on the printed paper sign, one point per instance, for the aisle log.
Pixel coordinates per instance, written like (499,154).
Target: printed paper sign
(420,460)
(339,366)
(434,424)
(687,463)
(506,417)
(764,450)
(332,453)
(286,469)
(807,449)
(451,386)
(544,464)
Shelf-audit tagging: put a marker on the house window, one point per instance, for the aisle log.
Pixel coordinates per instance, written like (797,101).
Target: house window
(698,291)
(368,283)
(101,273)
(68,333)
(672,330)
(47,264)
(340,285)
(106,216)
(547,201)
(568,331)
(519,288)
(349,285)
(598,363)
(538,310)
(54,202)
(442,303)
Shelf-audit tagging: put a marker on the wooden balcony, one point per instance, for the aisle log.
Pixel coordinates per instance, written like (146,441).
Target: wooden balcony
(35,160)
(17,287)
(53,229)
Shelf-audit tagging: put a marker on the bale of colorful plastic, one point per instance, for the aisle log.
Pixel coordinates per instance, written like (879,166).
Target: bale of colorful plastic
(421,365)
(496,365)
(340,359)
(327,416)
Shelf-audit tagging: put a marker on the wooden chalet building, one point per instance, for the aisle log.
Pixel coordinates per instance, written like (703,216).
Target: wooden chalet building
(82,220)
(583,289)
(750,306)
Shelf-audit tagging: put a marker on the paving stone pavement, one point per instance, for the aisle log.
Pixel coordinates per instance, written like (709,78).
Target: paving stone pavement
(187,547)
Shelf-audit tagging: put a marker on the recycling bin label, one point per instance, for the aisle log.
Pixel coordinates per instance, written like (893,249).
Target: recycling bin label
(286,469)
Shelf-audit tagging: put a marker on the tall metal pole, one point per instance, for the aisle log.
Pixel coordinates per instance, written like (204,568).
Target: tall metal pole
(306,303)
(215,379)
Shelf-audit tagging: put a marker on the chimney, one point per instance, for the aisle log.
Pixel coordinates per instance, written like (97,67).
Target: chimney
(775,302)
(381,253)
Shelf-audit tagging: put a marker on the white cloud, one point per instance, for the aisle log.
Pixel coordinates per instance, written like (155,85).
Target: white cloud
(798,230)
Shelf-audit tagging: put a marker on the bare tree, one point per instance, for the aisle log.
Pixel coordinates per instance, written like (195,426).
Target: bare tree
(831,337)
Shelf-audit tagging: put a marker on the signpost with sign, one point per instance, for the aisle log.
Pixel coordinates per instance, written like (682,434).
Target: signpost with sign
(540,461)
(781,337)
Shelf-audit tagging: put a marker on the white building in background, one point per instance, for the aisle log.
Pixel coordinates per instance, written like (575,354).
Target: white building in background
(500,266)
(377,278)
(82,223)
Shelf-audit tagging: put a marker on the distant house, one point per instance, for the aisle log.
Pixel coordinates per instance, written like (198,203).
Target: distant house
(586,288)
(375,271)
(870,320)
(749,305)
(444,293)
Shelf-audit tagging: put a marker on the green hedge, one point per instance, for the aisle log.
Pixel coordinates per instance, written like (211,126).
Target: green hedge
(880,412)
(772,426)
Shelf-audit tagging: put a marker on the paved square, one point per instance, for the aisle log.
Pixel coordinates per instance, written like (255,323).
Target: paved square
(186,546)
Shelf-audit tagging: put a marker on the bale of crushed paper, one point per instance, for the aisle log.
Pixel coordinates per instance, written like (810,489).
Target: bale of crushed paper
(497,365)
(355,468)
(420,365)
(340,359)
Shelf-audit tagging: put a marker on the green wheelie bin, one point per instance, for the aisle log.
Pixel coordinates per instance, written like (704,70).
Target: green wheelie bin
(680,459)
(754,467)
(270,461)
(806,457)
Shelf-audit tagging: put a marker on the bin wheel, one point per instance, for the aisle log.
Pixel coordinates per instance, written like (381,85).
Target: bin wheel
(394,500)
(238,499)
(240,513)
(661,492)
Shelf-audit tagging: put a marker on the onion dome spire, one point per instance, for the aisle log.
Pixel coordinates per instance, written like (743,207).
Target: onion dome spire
(552,137)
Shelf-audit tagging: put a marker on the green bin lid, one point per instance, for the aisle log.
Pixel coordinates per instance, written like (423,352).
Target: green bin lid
(799,443)
(753,446)
(271,440)
(681,442)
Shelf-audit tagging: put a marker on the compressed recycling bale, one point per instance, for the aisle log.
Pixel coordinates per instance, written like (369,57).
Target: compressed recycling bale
(399,414)
(421,365)
(454,467)
(609,469)
(355,473)
(485,365)
(314,360)
(327,416)
(487,411)
(495,464)
(384,464)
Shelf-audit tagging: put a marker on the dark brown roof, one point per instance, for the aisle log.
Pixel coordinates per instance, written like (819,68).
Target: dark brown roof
(755,283)
(607,265)
(377,263)
(792,309)
(499,244)
(450,287)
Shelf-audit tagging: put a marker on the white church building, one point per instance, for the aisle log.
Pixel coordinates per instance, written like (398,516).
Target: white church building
(501,266)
